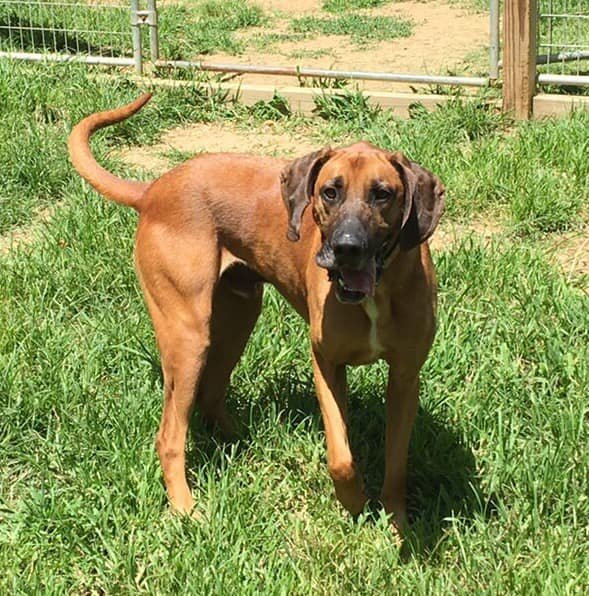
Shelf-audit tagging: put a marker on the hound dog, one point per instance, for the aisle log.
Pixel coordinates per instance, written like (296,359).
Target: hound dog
(355,265)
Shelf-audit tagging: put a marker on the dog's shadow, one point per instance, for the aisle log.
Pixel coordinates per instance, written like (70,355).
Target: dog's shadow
(442,477)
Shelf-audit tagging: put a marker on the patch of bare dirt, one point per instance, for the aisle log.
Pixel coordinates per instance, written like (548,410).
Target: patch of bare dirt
(449,233)
(444,37)
(24,235)
(294,8)
(269,139)
(571,252)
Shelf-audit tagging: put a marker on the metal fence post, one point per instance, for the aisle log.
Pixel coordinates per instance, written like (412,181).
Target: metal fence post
(154,49)
(136,27)
(520,31)
(494,17)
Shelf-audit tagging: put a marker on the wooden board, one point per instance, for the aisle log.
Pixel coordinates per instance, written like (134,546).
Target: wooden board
(302,99)
(558,105)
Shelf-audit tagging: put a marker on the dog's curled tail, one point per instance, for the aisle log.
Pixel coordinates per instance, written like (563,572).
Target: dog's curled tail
(126,192)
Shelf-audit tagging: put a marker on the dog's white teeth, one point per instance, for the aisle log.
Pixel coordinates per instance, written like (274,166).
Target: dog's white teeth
(342,284)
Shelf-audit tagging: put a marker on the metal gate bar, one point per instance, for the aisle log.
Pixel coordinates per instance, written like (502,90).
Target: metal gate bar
(295,71)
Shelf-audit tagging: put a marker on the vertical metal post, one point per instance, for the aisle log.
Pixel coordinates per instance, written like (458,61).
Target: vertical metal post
(494,15)
(136,29)
(154,49)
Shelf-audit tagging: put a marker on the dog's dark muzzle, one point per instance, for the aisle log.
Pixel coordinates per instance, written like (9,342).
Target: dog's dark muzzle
(353,264)
(350,246)
(350,261)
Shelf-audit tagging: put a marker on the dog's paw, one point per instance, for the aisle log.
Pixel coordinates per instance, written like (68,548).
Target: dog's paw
(397,532)
(182,505)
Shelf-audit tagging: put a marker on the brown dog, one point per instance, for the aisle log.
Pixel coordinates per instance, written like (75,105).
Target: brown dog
(355,266)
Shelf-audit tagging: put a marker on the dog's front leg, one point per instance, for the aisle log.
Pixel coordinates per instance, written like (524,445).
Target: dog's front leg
(402,403)
(330,384)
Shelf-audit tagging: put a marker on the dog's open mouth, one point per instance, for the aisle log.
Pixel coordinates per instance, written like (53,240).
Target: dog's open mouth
(353,285)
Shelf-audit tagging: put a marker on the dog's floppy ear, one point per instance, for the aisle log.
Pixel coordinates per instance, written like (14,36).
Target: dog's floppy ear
(424,201)
(297,182)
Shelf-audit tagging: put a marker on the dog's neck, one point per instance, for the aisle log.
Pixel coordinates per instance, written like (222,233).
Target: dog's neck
(400,267)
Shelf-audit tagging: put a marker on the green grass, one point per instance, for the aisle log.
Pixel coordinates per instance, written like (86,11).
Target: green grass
(498,461)
(66,28)
(345,5)
(187,30)
(566,35)
(563,32)
(263,42)
(362,29)
(474,5)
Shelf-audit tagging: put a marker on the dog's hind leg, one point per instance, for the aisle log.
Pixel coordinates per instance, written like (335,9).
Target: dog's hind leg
(178,283)
(236,306)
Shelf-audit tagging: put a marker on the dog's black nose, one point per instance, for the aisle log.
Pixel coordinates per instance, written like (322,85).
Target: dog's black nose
(348,248)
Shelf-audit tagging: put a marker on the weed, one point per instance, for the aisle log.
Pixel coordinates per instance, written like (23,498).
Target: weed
(276,109)
(212,27)
(345,5)
(234,14)
(322,82)
(265,41)
(302,53)
(346,106)
(362,29)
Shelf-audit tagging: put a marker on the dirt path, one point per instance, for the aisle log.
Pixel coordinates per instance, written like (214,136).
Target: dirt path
(446,39)
(24,235)
(268,139)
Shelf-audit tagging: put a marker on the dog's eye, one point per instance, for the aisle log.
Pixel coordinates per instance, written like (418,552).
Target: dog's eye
(383,195)
(329,194)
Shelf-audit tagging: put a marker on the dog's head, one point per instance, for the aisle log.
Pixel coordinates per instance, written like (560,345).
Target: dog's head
(365,202)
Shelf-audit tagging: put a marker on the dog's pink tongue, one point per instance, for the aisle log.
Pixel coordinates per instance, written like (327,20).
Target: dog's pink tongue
(361,280)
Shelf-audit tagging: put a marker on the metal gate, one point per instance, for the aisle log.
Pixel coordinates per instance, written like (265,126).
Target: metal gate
(91,32)
(563,42)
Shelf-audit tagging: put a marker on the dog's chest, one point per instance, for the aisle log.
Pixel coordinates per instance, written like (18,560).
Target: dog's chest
(372,312)
(358,334)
